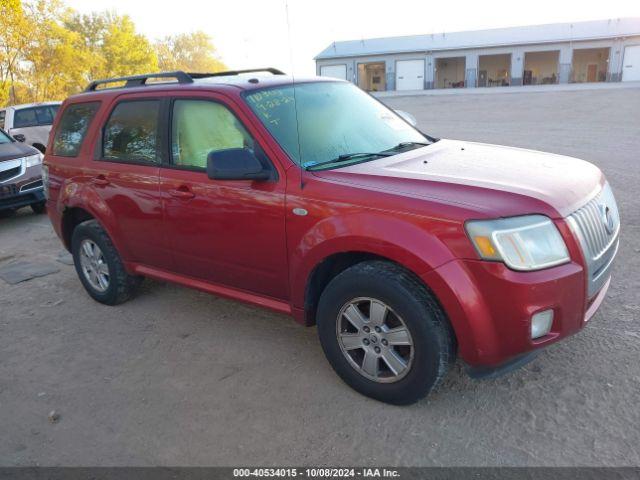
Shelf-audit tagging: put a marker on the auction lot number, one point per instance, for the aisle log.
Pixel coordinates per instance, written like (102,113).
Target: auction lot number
(315,472)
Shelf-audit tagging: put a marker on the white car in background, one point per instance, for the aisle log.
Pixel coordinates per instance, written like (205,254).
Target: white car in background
(29,123)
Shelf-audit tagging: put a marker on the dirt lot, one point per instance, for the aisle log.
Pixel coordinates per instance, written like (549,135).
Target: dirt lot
(177,377)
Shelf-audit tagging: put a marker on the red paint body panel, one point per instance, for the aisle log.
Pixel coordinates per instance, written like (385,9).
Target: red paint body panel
(490,306)
(241,239)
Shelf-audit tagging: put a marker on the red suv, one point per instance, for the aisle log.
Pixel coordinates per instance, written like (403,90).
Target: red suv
(314,199)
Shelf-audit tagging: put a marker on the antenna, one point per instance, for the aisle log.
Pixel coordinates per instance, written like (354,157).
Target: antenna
(295,101)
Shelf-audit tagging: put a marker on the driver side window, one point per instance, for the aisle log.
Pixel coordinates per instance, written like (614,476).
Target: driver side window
(199,127)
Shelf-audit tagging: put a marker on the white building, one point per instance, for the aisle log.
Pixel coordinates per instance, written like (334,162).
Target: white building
(596,51)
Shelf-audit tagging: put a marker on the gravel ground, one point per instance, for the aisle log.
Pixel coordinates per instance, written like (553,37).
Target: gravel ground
(177,377)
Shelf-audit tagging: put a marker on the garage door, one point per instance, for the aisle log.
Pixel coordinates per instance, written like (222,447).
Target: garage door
(334,71)
(410,75)
(631,64)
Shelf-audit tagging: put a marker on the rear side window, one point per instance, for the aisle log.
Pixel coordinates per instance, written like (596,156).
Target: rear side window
(131,133)
(73,127)
(3,114)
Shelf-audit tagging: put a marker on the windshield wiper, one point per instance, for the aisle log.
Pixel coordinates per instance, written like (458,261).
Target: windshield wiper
(403,145)
(346,157)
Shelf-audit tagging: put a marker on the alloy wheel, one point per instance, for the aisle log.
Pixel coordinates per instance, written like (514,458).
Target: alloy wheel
(94,266)
(375,340)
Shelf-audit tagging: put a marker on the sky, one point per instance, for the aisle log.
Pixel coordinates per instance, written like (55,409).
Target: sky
(287,34)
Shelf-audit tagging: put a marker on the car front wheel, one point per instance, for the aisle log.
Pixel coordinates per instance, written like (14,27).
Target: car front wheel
(384,333)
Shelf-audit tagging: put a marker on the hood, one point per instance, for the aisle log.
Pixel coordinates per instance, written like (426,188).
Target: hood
(9,151)
(561,182)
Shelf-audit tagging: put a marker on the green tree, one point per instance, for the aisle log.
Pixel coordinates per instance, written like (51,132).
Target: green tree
(116,48)
(48,51)
(126,52)
(92,29)
(191,52)
(54,61)
(14,36)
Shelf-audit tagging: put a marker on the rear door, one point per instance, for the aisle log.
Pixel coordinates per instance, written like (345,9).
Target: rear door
(124,173)
(229,232)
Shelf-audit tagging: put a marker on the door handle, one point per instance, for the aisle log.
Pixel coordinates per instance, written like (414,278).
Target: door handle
(100,180)
(183,192)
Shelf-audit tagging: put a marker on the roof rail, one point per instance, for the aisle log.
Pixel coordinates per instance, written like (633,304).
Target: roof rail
(139,80)
(181,77)
(273,71)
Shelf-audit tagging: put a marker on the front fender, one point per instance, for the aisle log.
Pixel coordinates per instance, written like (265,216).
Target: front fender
(408,240)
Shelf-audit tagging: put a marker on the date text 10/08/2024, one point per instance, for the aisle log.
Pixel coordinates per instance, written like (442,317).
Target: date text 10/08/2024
(317,472)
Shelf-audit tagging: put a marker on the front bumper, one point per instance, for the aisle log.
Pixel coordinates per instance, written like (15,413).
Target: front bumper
(22,189)
(490,308)
(15,198)
(489,373)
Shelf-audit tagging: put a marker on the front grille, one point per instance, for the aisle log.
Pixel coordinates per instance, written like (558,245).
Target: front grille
(597,226)
(12,172)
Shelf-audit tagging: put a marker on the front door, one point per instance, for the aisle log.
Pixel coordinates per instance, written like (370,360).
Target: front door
(228,232)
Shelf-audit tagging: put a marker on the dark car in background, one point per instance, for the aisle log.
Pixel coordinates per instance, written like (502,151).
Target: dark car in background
(20,176)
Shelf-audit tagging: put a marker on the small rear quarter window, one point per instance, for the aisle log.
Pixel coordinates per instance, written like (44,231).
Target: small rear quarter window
(73,127)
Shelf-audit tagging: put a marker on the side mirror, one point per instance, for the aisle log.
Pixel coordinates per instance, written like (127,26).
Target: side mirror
(20,138)
(235,164)
(410,119)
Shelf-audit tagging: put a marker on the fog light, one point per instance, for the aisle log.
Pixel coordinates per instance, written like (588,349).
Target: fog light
(541,324)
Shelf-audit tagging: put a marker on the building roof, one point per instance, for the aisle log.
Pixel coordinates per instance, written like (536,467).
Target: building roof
(533,34)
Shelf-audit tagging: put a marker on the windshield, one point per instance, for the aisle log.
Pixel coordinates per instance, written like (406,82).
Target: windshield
(4,138)
(334,119)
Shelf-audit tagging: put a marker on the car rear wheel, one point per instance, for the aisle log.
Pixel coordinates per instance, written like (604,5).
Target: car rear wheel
(99,266)
(384,333)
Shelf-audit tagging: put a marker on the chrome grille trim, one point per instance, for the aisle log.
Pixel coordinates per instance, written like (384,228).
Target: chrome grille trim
(590,224)
(10,165)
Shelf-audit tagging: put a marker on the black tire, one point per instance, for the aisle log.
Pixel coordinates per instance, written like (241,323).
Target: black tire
(122,286)
(432,336)
(39,207)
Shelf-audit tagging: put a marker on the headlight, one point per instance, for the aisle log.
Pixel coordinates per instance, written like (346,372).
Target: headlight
(33,160)
(531,242)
